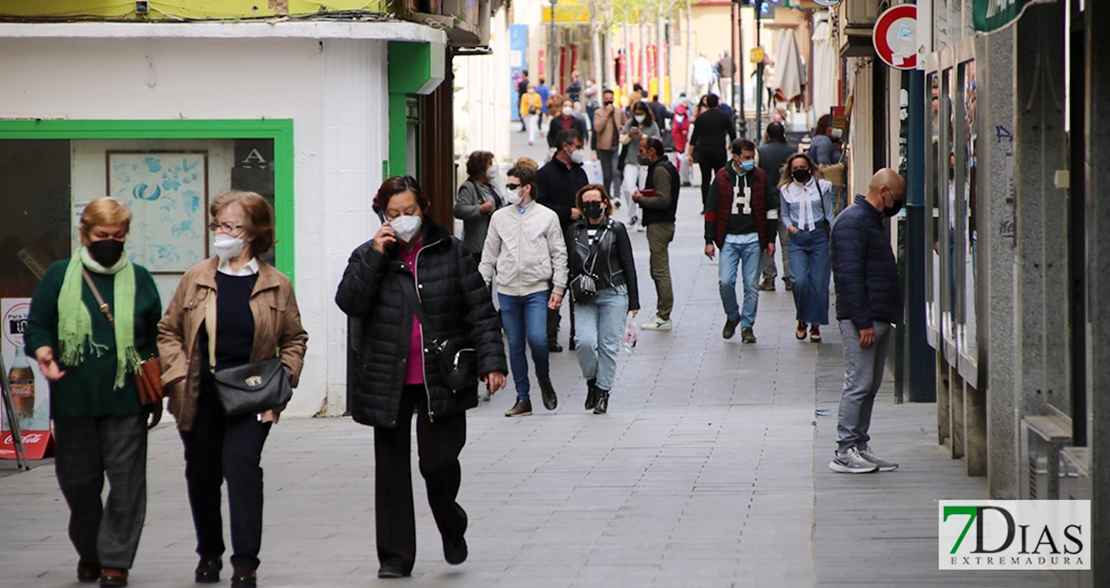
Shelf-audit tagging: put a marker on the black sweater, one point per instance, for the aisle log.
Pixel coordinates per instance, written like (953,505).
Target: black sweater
(234,326)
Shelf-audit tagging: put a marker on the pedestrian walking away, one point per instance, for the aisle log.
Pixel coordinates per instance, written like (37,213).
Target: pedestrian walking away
(710,138)
(659,200)
(736,222)
(545,93)
(641,125)
(608,122)
(772,155)
(479,196)
(557,182)
(807,210)
(414,258)
(868,302)
(527,247)
(603,283)
(521,90)
(223,309)
(89,356)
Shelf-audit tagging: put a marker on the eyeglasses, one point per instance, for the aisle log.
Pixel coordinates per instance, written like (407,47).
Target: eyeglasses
(227,227)
(512,186)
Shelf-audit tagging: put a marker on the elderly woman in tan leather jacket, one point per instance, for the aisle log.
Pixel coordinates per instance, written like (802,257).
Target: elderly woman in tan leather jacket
(256,316)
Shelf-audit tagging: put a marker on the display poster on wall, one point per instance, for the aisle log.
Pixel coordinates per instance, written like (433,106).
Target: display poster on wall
(30,390)
(168,196)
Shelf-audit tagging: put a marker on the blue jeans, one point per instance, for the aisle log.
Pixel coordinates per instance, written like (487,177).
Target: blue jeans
(525,318)
(598,330)
(809,272)
(732,255)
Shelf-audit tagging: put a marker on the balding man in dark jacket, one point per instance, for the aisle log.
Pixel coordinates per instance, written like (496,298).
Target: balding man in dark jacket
(868,301)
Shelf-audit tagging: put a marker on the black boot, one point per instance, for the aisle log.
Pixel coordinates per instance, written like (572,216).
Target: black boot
(591,393)
(602,401)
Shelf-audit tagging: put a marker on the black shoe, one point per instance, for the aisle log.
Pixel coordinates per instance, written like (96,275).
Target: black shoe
(208,570)
(455,553)
(244,577)
(521,408)
(591,393)
(554,347)
(602,402)
(88,572)
(113,578)
(390,571)
(550,400)
(730,328)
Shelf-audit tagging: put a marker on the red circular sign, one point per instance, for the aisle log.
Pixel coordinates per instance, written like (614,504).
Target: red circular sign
(895,36)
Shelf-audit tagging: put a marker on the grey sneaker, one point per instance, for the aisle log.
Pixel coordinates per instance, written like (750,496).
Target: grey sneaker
(851,462)
(521,408)
(730,328)
(656,324)
(884,465)
(746,335)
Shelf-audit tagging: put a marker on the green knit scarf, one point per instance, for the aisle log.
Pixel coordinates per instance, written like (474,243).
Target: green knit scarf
(75,334)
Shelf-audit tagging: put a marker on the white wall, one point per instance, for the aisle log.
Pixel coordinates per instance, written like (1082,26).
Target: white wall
(334,90)
(482,97)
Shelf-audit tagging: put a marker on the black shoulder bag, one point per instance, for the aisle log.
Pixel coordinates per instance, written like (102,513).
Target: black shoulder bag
(455,357)
(250,388)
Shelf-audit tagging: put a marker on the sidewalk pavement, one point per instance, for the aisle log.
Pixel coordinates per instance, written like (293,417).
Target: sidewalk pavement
(709,470)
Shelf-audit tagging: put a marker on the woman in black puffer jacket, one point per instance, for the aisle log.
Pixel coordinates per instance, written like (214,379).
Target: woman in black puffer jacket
(397,373)
(598,246)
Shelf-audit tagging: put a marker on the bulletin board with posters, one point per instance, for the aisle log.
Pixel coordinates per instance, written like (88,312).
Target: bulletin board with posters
(30,389)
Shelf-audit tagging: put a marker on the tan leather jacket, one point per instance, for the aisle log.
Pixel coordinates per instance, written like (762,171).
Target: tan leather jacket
(608,128)
(277,332)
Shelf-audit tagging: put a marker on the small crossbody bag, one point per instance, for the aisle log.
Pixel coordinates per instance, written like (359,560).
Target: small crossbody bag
(148,375)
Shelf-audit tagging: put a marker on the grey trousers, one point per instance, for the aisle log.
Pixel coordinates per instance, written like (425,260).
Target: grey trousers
(87,448)
(770,272)
(863,373)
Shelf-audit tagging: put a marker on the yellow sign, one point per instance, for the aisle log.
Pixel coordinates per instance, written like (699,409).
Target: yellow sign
(757,55)
(567,13)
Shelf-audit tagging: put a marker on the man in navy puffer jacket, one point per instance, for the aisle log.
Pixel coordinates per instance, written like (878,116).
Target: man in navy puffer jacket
(868,300)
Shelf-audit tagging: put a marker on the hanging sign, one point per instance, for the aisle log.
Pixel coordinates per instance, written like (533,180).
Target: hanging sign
(988,16)
(894,36)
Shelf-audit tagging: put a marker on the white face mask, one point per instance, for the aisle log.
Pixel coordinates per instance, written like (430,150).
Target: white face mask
(406,227)
(514,197)
(578,156)
(640,118)
(228,247)
(491,173)
(567,111)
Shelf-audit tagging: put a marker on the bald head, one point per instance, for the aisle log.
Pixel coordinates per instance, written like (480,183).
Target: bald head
(895,188)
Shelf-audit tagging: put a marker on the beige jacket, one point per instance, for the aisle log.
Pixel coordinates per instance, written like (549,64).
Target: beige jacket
(608,127)
(277,332)
(528,251)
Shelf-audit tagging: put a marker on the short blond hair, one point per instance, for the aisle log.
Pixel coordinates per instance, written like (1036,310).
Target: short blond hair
(104,211)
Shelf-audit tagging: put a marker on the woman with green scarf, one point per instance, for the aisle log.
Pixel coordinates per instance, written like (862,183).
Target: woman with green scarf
(100,426)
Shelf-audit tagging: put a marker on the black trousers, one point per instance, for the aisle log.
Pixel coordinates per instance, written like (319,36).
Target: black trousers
(709,164)
(87,448)
(220,448)
(439,443)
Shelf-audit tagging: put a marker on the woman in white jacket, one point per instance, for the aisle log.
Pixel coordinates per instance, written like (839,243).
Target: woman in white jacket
(525,244)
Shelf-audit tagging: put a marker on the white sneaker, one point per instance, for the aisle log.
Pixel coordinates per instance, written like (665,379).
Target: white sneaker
(656,324)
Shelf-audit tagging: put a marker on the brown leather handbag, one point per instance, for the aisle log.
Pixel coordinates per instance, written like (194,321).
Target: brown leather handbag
(148,376)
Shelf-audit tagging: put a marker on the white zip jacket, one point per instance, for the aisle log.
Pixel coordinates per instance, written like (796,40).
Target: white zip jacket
(528,251)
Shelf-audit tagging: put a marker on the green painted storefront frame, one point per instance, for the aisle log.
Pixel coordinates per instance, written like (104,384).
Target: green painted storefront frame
(279,130)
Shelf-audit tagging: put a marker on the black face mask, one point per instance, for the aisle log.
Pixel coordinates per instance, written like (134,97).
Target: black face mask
(801,175)
(106,252)
(893,210)
(592,209)
(608,102)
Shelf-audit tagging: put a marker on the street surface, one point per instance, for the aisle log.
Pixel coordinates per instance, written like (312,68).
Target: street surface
(709,470)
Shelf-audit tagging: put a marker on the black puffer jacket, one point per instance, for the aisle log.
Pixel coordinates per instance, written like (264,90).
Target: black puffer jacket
(864,269)
(614,265)
(457,303)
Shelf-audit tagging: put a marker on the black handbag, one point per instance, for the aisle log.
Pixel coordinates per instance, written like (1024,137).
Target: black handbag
(247,389)
(456,357)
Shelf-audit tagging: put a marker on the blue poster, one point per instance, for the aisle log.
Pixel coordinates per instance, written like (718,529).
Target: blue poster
(518,62)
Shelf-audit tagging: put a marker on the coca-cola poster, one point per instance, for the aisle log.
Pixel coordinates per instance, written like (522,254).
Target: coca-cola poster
(30,389)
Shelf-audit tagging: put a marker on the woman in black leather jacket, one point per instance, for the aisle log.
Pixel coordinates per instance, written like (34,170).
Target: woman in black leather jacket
(398,371)
(598,248)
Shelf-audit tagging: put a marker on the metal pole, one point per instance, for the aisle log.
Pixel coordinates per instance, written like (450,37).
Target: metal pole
(741,117)
(758,72)
(551,58)
(919,377)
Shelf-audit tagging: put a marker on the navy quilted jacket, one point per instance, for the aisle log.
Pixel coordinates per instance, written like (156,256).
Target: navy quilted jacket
(863,267)
(457,303)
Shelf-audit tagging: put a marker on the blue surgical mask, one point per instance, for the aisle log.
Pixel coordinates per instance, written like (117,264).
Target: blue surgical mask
(747,165)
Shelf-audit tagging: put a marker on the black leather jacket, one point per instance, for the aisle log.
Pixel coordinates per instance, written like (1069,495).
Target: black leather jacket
(614,265)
